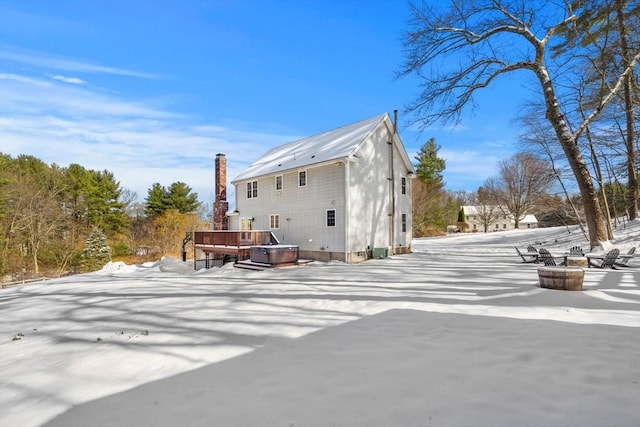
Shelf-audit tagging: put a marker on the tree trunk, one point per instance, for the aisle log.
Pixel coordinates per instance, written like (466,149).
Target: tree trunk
(593,212)
(633,191)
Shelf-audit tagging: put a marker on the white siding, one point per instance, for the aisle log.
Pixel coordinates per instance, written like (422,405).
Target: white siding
(370,218)
(369,194)
(371,199)
(302,210)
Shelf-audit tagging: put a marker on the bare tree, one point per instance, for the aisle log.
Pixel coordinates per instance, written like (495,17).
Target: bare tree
(538,137)
(522,182)
(488,211)
(492,38)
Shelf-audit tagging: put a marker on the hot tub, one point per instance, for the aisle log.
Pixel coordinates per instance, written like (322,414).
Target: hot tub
(274,254)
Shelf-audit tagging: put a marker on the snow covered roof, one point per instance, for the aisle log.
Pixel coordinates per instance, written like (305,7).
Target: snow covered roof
(327,146)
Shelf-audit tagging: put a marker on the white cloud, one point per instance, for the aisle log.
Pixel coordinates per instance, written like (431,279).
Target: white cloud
(138,141)
(22,79)
(48,61)
(72,80)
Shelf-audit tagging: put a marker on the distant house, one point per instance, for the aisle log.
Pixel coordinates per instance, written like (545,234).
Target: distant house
(494,218)
(344,194)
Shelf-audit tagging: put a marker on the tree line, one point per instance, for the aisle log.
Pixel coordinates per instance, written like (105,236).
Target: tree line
(582,57)
(525,183)
(57,220)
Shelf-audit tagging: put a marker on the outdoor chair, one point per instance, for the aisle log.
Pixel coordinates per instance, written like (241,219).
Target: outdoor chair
(533,251)
(528,256)
(608,261)
(548,259)
(624,259)
(576,251)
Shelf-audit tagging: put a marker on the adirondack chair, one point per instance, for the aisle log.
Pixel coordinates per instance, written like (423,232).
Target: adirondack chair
(534,252)
(608,261)
(576,251)
(624,259)
(528,256)
(546,257)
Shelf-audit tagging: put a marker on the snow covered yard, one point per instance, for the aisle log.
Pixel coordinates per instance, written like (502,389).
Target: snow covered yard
(457,333)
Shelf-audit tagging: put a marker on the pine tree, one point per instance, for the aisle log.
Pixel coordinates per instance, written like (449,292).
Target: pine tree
(155,202)
(182,199)
(178,196)
(96,252)
(429,167)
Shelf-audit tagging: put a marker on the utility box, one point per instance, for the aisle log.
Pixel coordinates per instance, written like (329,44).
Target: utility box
(379,252)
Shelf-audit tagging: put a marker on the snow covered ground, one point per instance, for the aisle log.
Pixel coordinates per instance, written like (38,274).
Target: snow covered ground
(456,334)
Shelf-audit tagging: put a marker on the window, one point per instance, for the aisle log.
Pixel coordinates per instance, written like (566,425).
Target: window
(274,221)
(245,223)
(302,178)
(278,182)
(331,217)
(404,222)
(404,185)
(497,226)
(252,189)
(504,226)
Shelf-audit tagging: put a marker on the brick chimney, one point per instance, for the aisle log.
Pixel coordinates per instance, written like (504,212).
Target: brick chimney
(220,205)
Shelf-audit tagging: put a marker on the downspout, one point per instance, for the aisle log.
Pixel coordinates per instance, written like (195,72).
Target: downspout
(347,210)
(392,186)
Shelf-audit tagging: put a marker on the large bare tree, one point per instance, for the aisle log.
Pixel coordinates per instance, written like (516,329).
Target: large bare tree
(462,47)
(521,184)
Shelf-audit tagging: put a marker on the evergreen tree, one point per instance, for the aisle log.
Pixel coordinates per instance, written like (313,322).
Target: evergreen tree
(106,211)
(96,252)
(429,167)
(178,196)
(181,199)
(155,203)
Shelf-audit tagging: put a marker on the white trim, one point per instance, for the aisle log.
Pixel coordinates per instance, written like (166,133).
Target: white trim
(335,218)
(306,177)
(271,220)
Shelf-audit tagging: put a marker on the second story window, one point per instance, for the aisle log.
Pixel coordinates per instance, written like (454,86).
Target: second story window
(302,178)
(278,182)
(252,189)
(404,185)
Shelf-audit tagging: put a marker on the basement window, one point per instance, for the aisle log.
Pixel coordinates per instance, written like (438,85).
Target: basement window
(252,190)
(331,217)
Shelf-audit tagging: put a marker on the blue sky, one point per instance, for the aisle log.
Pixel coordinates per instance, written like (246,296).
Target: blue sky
(152,90)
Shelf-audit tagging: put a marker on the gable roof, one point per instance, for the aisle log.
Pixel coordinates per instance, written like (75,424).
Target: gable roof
(327,146)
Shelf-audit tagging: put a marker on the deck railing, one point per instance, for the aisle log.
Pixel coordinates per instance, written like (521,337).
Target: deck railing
(234,238)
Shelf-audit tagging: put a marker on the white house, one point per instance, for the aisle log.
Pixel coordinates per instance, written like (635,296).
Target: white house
(344,194)
(495,217)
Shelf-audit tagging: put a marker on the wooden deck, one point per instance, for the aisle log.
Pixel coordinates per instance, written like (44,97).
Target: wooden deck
(234,243)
